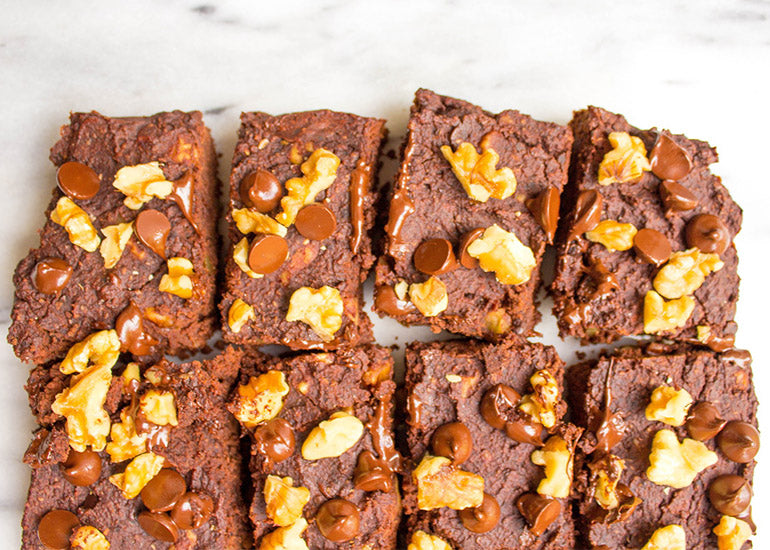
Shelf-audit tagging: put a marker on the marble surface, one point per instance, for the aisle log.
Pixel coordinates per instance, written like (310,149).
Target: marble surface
(694,67)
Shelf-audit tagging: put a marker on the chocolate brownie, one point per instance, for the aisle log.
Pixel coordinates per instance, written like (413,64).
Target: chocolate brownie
(646,243)
(301,196)
(483,419)
(136,199)
(170,416)
(323,460)
(473,206)
(698,446)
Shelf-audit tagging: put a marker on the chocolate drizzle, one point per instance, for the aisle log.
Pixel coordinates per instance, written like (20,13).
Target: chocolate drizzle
(401,207)
(386,300)
(360,180)
(605,282)
(130,328)
(610,430)
(182,195)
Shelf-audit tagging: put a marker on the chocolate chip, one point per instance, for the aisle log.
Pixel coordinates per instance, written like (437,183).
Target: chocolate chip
(652,246)
(676,197)
(707,233)
(668,160)
(466,260)
(51,275)
(267,253)
(739,441)
(315,222)
(275,440)
(545,208)
(158,525)
(386,300)
(372,474)
(435,257)
(525,431)
(81,468)
(338,520)
(704,421)
(588,213)
(261,190)
(130,328)
(497,403)
(77,181)
(192,510)
(55,529)
(452,441)
(152,228)
(164,490)
(182,195)
(540,511)
(482,518)
(730,494)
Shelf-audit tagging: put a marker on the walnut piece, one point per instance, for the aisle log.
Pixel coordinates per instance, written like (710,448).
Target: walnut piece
(423,541)
(541,404)
(239,314)
(131,376)
(498,321)
(178,280)
(284,502)
(607,478)
(76,223)
(732,533)
(661,315)
(241,257)
(668,405)
(88,537)
(677,464)
(615,236)
(125,442)
(115,240)
(685,272)
(286,538)
(250,221)
(332,437)
(430,298)
(261,399)
(556,457)
(318,173)
(670,537)
(626,162)
(320,309)
(137,474)
(100,348)
(501,251)
(82,404)
(440,484)
(142,182)
(478,174)
(159,407)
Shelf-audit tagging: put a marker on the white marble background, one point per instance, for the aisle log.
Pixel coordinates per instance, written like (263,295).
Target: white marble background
(696,67)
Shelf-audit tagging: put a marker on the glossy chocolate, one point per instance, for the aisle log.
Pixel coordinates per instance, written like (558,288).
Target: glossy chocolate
(158,525)
(372,474)
(192,510)
(82,468)
(130,328)
(434,257)
(55,529)
(77,181)
(315,222)
(338,520)
(152,228)
(182,195)
(540,511)
(545,209)
(668,160)
(261,191)
(452,441)
(704,421)
(707,233)
(525,431)
(275,440)
(498,405)
(676,197)
(401,207)
(466,260)
(267,253)
(386,300)
(610,429)
(482,518)
(588,213)
(652,246)
(50,275)
(360,180)
(163,491)
(739,441)
(730,494)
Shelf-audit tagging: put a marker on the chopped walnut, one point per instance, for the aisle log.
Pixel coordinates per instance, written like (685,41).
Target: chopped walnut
(125,442)
(685,272)
(141,183)
(178,280)
(332,437)
(668,405)
(250,221)
(131,376)
(83,406)
(283,501)
(677,464)
(239,314)
(615,236)
(320,309)
(478,174)
(423,541)
(286,538)
(318,173)
(670,537)
(440,484)
(501,251)
(137,474)
(261,399)
(76,223)
(626,162)
(100,348)
(605,476)
(241,257)
(498,321)
(732,533)
(661,315)
(115,240)
(556,457)
(159,407)
(88,537)
(401,288)
(430,298)
(541,404)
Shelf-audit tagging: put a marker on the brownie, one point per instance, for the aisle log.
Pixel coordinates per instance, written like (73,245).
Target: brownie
(434,221)
(197,496)
(672,202)
(330,403)
(301,195)
(469,403)
(66,291)
(609,396)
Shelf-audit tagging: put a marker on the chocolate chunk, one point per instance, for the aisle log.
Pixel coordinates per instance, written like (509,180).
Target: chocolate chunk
(482,518)
(77,181)
(275,439)
(82,468)
(55,529)
(704,421)
(315,222)
(164,490)
(739,441)
(545,208)
(182,195)
(588,213)
(267,253)
(707,233)
(386,300)
(435,257)
(730,494)
(372,474)
(525,431)
(152,228)
(192,510)
(130,328)
(466,260)
(261,190)
(497,404)
(652,246)
(338,520)
(676,197)
(452,441)
(51,275)
(158,525)
(668,160)
(540,511)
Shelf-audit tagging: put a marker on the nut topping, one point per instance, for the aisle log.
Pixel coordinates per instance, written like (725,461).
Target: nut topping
(732,533)
(423,541)
(613,235)
(708,234)
(338,520)
(661,315)
(99,349)
(125,442)
(78,181)
(249,221)
(677,464)
(321,309)
(88,537)
(152,228)
(539,511)
(261,190)
(626,162)
(483,518)
(670,537)
(50,275)
(284,502)
(503,253)
(286,538)
(685,272)
(178,280)
(478,174)
(430,298)
(138,473)
(115,239)
(315,222)
(556,457)
(159,407)
(668,160)
(76,223)
(440,484)
(141,183)
(739,441)
(435,257)
(261,399)
(318,173)
(652,246)
(452,441)
(333,437)
(541,404)
(668,405)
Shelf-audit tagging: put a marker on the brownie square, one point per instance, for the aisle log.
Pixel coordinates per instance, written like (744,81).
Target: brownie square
(676,204)
(473,383)
(720,385)
(295,270)
(358,384)
(64,291)
(203,448)
(433,220)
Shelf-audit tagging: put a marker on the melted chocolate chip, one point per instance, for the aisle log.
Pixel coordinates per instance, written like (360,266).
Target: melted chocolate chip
(588,212)
(50,275)
(704,421)
(452,441)
(275,440)
(482,518)
(360,180)
(338,520)
(192,510)
(668,160)
(164,490)
(401,207)
(315,222)
(730,494)
(525,431)
(466,260)
(707,233)
(386,300)
(611,428)
(545,209)
(82,468)
(435,257)
(182,195)
(152,228)
(130,328)
(55,529)
(158,525)
(652,246)
(676,197)
(267,253)
(739,441)
(498,404)
(261,190)
(77,181)
(372,474)
(540,511)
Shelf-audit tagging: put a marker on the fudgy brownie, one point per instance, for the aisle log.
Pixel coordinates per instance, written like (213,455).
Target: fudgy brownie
(670,441)
(646,243)
(301,196)
(170,473)
(483,421)
(473,206)
(323,458)
(129,242)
